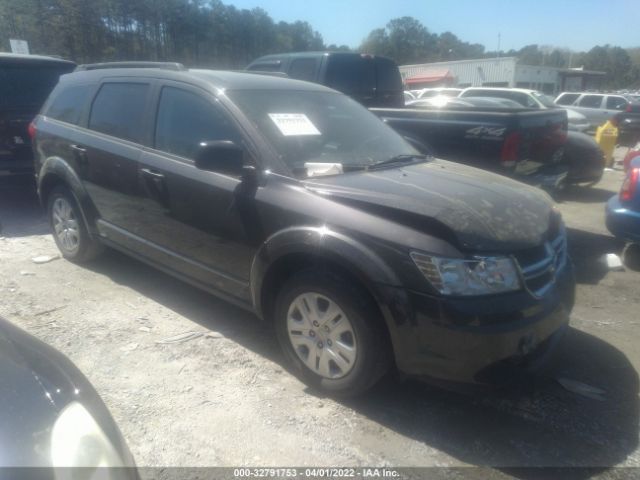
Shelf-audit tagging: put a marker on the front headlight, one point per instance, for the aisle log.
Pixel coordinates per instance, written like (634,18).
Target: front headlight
(78,441)
(477,276)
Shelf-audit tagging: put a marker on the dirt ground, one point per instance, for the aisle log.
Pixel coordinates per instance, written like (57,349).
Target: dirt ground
(224,399)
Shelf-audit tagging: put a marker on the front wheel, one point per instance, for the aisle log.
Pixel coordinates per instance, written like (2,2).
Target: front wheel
(69,230)
(331,333)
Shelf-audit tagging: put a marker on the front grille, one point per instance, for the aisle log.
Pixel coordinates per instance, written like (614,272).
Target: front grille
(541,265)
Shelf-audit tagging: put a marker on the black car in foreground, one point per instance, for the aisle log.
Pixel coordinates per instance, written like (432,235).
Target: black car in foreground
(25,83)
(51,416)
(295,202)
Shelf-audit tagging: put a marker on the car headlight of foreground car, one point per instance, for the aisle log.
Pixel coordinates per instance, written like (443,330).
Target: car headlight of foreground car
(78,441)
(466,277)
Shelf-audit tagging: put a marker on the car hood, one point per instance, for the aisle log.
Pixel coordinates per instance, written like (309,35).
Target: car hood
(482,210)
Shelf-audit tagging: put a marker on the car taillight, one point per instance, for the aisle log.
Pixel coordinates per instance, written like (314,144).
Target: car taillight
(628,109)
(629,185)
(509,154)
(629,157)
(32,130)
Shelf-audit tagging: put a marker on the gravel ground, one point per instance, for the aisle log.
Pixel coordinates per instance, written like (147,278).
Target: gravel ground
(223,398)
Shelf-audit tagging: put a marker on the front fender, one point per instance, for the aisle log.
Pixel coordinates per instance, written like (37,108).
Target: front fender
(56,171)
(340,249)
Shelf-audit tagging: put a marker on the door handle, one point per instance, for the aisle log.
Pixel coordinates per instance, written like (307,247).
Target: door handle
(152,174)
(78,148)
(80,153)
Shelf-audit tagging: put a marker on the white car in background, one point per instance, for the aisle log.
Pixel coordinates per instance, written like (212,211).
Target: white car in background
(597,107)
(530,99)
(439,92)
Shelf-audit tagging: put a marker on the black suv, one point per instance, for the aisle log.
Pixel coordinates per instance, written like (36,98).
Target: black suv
(295,202)
(25,83)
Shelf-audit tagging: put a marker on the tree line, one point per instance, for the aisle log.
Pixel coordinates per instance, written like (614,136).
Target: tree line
(209,33)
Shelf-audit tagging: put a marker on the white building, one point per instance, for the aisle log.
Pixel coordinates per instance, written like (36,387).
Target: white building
(499,72)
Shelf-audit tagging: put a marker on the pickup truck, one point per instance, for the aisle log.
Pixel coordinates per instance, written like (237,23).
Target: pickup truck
(522,143)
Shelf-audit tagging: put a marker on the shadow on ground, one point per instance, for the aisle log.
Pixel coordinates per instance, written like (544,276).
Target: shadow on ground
(586,250)
(584,195)
(539,423)
(20,211)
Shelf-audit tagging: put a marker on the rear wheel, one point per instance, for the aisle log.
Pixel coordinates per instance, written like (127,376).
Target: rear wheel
(68,227)
(331,333)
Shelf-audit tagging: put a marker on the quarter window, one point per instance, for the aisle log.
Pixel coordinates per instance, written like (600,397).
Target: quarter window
(616,103)
(118,110)
(303,69)
(67,106)
(186,119)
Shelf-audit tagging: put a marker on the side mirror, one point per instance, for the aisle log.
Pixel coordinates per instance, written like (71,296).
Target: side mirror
(222,156)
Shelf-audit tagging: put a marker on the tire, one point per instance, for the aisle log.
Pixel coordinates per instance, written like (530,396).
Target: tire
(68,227)
(351,354)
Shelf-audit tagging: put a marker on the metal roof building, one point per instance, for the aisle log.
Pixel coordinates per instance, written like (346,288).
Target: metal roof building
(498,72)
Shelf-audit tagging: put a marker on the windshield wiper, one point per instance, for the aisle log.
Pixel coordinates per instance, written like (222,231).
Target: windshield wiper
(398,159)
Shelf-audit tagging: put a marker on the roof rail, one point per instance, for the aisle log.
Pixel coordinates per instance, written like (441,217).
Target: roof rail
(162,65)
(266,72)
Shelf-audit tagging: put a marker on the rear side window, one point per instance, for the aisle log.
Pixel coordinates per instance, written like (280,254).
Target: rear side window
(266,67)
(616,103)
(28,85)
(186,119)
(118,110)
(351,74)
(303,69)
(567,98)
(67,106)
(591,101)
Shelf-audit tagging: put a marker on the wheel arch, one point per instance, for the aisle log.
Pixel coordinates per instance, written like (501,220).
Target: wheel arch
(296,249)
(55,172)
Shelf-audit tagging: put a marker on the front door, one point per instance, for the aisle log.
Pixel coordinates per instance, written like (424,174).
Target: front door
(196,221)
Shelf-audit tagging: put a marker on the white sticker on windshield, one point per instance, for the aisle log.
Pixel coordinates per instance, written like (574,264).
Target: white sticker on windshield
(291,124)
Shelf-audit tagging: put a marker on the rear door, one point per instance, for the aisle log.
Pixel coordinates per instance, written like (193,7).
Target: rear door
(196,223)
(108,150)
(591,106)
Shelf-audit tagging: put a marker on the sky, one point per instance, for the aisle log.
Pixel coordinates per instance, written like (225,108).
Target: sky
(575,24)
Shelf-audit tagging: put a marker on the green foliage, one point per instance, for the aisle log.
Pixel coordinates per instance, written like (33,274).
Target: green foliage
(407,41)
(195,32)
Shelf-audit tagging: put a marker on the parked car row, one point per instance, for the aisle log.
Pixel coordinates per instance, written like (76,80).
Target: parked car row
(328,220)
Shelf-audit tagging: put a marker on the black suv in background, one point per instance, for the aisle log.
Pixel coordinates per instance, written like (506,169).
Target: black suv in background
(295,202)
(372,80)
(25,83)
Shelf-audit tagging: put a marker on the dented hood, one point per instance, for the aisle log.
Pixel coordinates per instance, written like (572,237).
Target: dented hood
(484,211)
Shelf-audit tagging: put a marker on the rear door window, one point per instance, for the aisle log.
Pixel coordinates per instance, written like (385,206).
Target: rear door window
(351,74)
(186,119)
(567,98)
(616,103)
(68,105)
(591,101)
(118,110)
(303,69)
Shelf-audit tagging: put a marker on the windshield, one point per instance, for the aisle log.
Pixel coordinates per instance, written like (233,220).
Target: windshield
(545,100)
(315,132)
